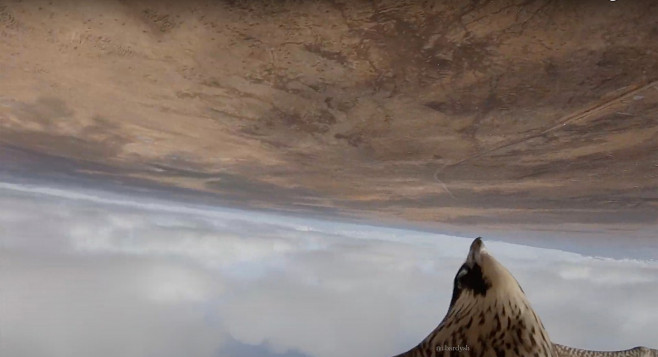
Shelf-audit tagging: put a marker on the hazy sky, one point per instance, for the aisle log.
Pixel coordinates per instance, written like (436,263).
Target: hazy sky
(97,274)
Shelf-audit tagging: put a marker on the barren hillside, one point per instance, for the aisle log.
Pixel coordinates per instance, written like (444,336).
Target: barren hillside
(537,114)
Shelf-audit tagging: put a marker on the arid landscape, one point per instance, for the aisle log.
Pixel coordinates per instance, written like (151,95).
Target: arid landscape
(483,116)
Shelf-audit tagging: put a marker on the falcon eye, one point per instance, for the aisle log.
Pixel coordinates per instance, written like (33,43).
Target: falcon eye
(463,271)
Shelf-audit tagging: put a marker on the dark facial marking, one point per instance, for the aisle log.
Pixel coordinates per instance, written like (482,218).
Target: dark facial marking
(471,280)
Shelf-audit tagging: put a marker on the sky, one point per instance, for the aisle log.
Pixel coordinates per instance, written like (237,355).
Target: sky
(91,273)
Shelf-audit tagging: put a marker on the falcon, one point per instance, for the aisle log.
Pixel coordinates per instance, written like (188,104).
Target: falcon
(490,316)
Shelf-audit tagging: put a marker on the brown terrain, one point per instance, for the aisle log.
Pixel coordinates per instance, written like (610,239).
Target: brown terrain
(476,116)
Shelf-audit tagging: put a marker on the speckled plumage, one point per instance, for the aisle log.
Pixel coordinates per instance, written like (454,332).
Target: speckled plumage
(566,351)
(490,316)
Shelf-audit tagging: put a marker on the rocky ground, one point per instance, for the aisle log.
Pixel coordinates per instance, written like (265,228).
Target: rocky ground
(472,116)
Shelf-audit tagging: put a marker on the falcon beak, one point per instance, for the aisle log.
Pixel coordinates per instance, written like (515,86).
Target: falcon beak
(474,255)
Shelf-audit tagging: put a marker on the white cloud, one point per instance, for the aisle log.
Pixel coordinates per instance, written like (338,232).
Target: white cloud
(84,275)
(82,306)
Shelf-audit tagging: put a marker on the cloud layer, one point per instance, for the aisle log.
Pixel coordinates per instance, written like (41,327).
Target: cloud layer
(93,274)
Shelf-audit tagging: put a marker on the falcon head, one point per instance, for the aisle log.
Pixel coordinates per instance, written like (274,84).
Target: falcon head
(482,277)
(489,313)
